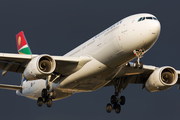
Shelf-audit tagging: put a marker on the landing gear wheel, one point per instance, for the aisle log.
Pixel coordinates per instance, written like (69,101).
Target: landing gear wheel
(49,102)
(44,93)
(122,100)
(40,101)
(113,99)
(117,108)
(109,108)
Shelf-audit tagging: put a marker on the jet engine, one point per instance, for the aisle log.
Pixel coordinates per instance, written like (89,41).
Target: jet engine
(161,79)
(39,67)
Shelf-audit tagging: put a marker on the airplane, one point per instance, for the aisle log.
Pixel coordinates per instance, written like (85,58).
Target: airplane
(102,61)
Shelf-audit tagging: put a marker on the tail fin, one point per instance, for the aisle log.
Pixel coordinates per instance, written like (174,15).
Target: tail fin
(22,45)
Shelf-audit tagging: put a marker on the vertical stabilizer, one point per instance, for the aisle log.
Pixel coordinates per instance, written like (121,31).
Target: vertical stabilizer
(22,45)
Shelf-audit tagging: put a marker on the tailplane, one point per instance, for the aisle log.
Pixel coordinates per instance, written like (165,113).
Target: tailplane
(22,45)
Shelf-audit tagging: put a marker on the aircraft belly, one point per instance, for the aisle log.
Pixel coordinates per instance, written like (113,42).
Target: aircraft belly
(90,77)
(33,90)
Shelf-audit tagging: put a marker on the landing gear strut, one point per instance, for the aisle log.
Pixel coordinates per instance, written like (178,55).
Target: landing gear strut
(138,54)
(46,94)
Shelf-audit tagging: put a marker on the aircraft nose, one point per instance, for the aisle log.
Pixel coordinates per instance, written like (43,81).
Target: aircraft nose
(156,28)
(149,33)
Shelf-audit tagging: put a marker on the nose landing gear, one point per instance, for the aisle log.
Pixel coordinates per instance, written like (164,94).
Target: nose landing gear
(138,54)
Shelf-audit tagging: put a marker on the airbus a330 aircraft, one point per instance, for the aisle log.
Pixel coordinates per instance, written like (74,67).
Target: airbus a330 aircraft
(104,60)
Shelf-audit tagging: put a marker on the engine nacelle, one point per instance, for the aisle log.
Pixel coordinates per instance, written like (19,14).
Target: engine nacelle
(39,67)
(161,79)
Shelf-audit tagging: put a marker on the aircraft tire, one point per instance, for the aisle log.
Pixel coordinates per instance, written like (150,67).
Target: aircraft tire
(109,108)
(122,98)
(44,93)
(40,101)
(49,102)
(113,99)
(117,108)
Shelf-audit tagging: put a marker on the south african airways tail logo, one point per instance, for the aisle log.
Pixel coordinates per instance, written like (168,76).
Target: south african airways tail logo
(22,45)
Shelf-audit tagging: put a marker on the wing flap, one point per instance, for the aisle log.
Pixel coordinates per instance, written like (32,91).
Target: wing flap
(14,68)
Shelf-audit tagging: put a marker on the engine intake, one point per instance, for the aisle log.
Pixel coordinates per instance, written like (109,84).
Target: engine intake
(161,79)
(39,67)
(167,76)
(45,64)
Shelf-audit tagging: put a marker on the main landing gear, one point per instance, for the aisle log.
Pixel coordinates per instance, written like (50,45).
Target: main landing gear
(115,101)
(47,95)
(115,104)
(118,84)
(46,98)
(138,54)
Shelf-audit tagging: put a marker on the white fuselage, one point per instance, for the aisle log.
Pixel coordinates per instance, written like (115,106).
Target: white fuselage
(109,50)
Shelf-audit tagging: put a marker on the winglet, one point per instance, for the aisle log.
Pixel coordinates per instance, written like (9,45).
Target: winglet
(22,45)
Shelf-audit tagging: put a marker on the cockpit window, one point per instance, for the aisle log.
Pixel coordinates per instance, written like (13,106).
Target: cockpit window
(147,18)
(139,19)
(154,18)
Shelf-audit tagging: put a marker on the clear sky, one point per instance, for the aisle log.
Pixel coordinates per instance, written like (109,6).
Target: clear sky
(56,26)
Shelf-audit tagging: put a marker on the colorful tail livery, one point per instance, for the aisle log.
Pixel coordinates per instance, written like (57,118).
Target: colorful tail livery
(22,45)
